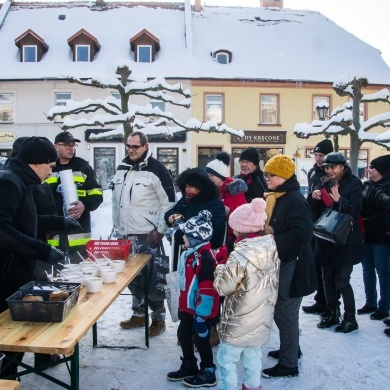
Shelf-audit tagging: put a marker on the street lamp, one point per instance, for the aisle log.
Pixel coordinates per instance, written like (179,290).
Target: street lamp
(322,109)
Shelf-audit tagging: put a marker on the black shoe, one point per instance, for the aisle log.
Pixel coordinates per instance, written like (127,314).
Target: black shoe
(280,371)
(204,378)
(346,326)
(387,332)
(275,354)
(387,321)
(332,317)
(317,308)
(44,358)
(366,309)
(188,368)
(379,315)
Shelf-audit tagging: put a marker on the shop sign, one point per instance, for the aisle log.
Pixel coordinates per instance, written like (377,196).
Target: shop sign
(7,136)
(260,137)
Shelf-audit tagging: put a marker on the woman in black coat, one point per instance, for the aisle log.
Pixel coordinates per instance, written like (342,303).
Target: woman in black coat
(289,220)
(198,193)
(337,261)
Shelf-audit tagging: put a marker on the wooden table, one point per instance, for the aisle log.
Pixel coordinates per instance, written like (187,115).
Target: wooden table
(9,385)
(63,337)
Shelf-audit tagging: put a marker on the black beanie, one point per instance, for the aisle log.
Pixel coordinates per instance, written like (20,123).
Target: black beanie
(382,165)
(16,145)
(324,147)
(37,150)
(251,155)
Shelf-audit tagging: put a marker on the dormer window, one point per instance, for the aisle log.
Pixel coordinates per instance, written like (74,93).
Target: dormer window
(222,56)
(30,53)
(145,46)
(144,53)
(31,46)
(82,53)
(84,46)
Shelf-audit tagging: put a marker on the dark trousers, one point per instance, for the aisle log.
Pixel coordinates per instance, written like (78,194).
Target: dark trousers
(185,333)
(338,279)
(286,318)
(319,297)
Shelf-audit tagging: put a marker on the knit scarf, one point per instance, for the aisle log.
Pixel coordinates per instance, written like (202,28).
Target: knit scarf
(181,269)
(270,201)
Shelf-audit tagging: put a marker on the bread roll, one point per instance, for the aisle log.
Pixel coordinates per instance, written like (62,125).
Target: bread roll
(32,298)
(58,295)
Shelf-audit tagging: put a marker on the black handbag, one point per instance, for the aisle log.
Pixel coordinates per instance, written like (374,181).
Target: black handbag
(334,226)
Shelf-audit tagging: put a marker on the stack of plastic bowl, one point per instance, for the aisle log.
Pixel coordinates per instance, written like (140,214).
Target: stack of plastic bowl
(67,189)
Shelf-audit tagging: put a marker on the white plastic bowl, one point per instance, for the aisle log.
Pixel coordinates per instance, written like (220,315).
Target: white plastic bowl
(102,262)
(93,284)
(118,265)
(108,275)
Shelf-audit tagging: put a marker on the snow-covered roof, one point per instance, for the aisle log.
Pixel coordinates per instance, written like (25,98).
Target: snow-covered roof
(266,43)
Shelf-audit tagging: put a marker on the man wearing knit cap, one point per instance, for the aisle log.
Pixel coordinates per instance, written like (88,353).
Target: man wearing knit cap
(376,227)
(19,246)
(252,174)
(289,220)
(314,176)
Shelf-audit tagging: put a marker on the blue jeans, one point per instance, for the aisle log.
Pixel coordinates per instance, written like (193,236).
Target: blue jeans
(377,257)
(228,355)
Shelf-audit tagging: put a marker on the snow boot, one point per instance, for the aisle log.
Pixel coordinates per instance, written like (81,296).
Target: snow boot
(275,354)
(332,318)
(252,388)
(188,368)
(204,378)
(348,324)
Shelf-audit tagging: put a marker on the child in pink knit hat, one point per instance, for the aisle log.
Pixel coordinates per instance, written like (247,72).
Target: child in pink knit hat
(249,282)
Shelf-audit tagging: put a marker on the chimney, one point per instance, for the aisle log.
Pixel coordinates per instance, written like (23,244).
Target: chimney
(198,6)
(271,3)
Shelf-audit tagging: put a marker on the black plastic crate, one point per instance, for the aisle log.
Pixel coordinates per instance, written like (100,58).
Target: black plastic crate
(42,311)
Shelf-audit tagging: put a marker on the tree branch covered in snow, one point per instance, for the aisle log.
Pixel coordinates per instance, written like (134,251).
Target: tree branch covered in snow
(129,116)
(346,120)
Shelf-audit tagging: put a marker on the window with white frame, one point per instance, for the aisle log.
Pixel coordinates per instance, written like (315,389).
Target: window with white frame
(362,109)
(317,99)
(116,95)
(214,108)
(269,109)
(222,58)
(29,53)
(82,53)
(7,107)
(160,105)
(60,99)
(144,53)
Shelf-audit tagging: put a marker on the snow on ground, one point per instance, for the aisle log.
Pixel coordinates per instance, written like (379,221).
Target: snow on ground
(330,361)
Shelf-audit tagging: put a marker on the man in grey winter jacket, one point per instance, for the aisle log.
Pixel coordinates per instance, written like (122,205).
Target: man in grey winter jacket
(143,191)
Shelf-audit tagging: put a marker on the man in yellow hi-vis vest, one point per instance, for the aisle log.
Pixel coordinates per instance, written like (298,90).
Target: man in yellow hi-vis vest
(89,192)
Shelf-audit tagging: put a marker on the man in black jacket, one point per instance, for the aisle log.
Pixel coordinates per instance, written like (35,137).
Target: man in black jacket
(89,192)
(314,182)
(251,173)
(19,246)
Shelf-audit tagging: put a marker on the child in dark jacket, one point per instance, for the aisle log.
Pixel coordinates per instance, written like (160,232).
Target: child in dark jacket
(198,303)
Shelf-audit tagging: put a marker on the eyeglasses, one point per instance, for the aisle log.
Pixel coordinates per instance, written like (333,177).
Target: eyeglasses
(69,146)
(268,175)
(133,147)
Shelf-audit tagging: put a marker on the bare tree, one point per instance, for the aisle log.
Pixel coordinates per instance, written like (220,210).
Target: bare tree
(346,120)
(132,117)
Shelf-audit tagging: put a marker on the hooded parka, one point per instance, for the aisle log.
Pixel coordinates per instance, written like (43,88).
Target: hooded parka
(249,281)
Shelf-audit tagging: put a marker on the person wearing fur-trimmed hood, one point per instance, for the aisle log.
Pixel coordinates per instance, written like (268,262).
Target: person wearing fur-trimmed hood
(231,191)
(198,193)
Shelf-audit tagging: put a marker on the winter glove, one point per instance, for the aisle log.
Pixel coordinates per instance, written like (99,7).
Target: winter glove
(222,255)
(70,224)
(154,238)
(55,256)
(200,327)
